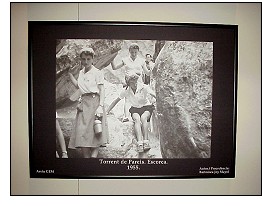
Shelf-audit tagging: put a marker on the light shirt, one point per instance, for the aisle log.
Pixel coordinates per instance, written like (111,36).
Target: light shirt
(88,82)
(139,98)
(134,66)
(149,67)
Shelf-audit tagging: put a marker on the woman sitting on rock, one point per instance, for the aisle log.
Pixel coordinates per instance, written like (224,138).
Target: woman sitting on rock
(141,110)
(132,64)
(91,84)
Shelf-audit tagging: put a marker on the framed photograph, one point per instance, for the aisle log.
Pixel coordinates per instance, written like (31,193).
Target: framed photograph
(132,100)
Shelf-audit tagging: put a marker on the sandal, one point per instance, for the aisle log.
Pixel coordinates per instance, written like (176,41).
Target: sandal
(140,147)
(125,119)
(146,145)
(64,154)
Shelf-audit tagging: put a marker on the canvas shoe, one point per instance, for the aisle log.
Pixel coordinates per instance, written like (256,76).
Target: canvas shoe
(146,145)
(140,147)
(64,154)
(125,119)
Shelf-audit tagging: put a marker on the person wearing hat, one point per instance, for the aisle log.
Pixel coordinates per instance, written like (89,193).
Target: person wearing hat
(132,64)
(91,85)
(141,109)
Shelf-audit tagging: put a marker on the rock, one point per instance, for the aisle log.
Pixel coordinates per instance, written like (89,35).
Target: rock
(67,125)
(59,44)
(181,89)
(158,46)
(116,132)
(111,77)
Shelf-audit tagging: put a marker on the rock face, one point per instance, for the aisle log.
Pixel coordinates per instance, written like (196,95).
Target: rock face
(183,74)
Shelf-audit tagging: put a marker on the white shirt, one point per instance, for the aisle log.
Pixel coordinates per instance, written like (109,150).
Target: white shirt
(134,66)
(139,98)
(88,82)
(150,66)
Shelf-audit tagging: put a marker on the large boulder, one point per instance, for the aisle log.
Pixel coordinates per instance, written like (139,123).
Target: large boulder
(183,74)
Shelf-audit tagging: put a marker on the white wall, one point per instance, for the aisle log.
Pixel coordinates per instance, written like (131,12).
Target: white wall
(248,162)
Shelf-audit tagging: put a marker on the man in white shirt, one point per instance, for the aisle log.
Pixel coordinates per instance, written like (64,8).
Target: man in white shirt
(141,110)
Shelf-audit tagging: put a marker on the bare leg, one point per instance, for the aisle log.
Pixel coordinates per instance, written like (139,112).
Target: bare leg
(145,124)
(126,109)
(86,152)
(94,152)
(61,139)
(138,130)
(151,125)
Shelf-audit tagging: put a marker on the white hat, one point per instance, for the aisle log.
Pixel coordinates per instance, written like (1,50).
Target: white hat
(87,50)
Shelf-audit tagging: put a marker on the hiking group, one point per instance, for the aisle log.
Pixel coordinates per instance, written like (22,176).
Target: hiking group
(138,107)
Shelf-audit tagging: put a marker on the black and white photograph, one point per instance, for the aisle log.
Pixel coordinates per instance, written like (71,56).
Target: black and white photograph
(118,98)
(129,100)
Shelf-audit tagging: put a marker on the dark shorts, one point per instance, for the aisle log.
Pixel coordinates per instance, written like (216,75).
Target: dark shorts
(141,110)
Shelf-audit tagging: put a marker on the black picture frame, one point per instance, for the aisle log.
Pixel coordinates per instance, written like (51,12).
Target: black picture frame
(42,105)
